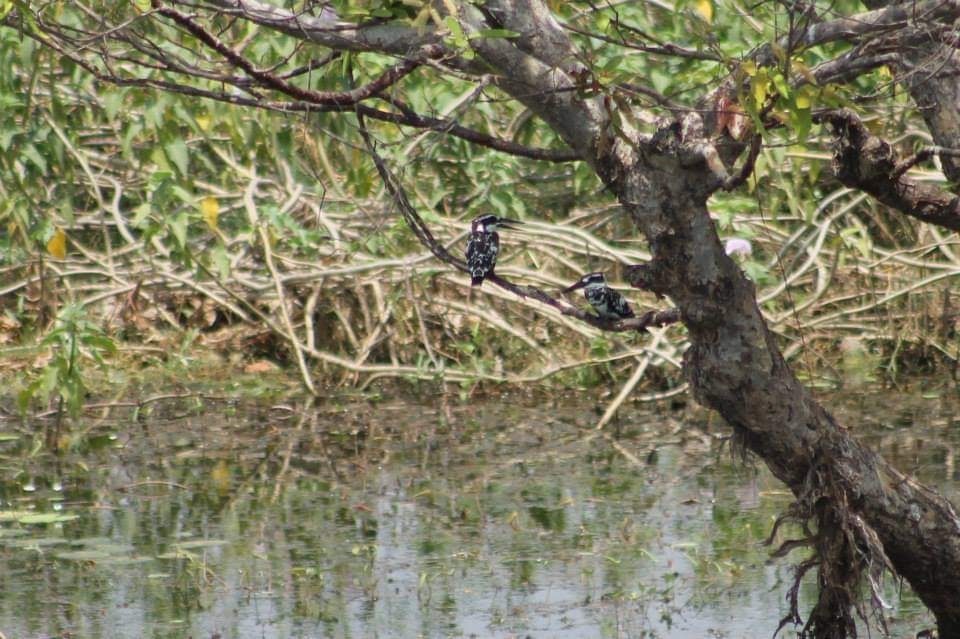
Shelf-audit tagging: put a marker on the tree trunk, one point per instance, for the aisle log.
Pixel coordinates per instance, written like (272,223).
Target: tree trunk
(863,508)
(929,68)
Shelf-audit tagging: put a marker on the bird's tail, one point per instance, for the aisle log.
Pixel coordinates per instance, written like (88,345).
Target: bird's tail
(476,280)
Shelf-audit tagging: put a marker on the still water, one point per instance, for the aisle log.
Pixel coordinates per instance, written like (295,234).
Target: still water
(501,517)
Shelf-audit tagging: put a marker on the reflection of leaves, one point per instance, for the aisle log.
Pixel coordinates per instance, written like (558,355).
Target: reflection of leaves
(552,519)
(47,518)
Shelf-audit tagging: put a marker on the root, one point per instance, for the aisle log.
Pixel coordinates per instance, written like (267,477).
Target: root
(847,554)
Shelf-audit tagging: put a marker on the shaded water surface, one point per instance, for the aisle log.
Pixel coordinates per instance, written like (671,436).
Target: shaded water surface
(405,519)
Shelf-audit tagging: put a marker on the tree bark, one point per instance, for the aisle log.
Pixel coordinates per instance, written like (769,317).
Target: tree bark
(929,67)
(735,367)
(866,512)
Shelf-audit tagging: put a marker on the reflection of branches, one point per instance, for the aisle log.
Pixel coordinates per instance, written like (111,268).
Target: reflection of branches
(420,229)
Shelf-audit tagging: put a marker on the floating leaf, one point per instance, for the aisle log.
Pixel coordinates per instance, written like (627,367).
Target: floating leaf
(35,542)
(114,560)
(210,210)
(57,246)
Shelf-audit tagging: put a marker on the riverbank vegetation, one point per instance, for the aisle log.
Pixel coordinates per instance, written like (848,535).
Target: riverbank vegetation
(156,226)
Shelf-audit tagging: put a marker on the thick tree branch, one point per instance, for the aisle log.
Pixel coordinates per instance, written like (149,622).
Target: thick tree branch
(325,30)
(547,91)
(848,28)
(856,499)
(864,161)
(541,35)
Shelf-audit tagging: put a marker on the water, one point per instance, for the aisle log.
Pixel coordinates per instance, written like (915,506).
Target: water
(397,519)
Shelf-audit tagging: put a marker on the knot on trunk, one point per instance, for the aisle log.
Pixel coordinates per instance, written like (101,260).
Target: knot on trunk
(859,156)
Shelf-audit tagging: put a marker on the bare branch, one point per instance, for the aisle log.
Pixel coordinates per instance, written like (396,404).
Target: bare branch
(388,37)
(388,78)
(922,156)
(426,237)
(734,181)
(890,18)
(666,49)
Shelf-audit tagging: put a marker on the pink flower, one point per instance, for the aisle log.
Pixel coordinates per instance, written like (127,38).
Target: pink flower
(738,246)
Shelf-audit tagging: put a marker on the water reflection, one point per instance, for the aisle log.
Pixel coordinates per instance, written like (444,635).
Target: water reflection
(394,519)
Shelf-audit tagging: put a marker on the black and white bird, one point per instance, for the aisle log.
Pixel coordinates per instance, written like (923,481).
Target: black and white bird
(608,303)
(484,246)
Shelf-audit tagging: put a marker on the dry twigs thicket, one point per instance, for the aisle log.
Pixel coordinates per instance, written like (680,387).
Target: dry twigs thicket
(168,219)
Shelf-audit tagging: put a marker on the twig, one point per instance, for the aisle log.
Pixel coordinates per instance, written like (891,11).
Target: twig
(627,388)
(734,181)
(388,78)
(426,237)
(254,218)
(921,156)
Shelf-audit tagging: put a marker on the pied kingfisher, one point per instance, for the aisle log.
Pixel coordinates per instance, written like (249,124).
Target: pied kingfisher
(484,245)
(608,303)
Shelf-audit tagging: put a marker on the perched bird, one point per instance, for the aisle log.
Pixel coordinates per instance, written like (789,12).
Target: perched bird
(608,303)
(484,245)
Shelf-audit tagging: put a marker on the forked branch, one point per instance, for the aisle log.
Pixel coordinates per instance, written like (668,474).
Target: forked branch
(864,161)
(426,237)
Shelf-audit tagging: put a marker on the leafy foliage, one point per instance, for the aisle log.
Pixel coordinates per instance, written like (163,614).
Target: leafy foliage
(129,190)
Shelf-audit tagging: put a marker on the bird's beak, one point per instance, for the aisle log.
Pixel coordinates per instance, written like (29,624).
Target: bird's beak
(508,224)
(573,287)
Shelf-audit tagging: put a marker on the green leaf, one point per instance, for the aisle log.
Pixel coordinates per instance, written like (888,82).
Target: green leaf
(781,83)
(221,261)
(177,153)
(101,342)
(30,152)
(801,120)
(178,226)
